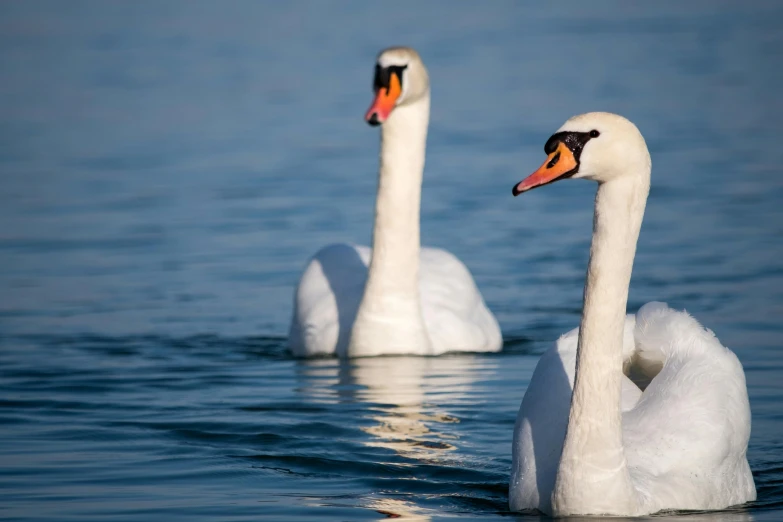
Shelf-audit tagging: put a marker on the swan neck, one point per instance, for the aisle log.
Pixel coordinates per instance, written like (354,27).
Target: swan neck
(396,243)
(392,289)
(593,477)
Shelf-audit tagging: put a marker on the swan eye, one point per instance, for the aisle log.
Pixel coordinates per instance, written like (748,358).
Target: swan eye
(594,133)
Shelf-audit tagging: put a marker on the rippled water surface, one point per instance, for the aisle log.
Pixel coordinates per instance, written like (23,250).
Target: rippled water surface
(166,169)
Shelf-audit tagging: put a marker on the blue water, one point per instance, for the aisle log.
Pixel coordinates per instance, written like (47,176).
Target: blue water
(166,169)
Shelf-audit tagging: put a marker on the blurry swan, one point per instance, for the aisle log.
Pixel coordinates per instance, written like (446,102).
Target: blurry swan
(679,439)
(412,300)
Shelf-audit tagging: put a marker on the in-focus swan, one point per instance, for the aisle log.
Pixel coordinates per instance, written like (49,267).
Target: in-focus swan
(411,300)
(676,436)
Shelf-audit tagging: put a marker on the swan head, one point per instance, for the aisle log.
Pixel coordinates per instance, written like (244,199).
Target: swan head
(599,146)
(400,79)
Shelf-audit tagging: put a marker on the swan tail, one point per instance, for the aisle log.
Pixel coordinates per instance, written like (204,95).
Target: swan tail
(687,437)
(662,333)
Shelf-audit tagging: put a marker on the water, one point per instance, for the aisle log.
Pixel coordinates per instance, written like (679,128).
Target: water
(168,168)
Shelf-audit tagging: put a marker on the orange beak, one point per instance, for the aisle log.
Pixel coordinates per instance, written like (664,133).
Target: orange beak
(384,101)
(560,163)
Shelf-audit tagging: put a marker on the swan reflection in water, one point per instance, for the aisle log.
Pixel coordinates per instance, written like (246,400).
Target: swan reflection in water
(402,399)
(400,395)
(396,389)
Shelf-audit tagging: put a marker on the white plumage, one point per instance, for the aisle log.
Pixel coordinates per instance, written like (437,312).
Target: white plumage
(396,298)
(626,415)
(685,436)
(331,288)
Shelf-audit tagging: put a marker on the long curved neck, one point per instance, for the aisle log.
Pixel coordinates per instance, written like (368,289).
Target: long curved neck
(391,294)
(593,476)
(395,244)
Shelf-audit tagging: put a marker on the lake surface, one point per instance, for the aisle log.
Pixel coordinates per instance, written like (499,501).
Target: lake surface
(166,170)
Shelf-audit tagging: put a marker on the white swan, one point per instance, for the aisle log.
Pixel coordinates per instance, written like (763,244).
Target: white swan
(412,300)
(676,436)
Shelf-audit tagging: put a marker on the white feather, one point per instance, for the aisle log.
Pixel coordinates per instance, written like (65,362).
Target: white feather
(685,436)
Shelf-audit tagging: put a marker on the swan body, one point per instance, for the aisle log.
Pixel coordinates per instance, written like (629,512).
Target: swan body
(704,472)
(626,415)
(331,289)
(396,298)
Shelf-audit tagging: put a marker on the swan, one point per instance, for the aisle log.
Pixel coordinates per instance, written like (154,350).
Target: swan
(411,300)
(674,437)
